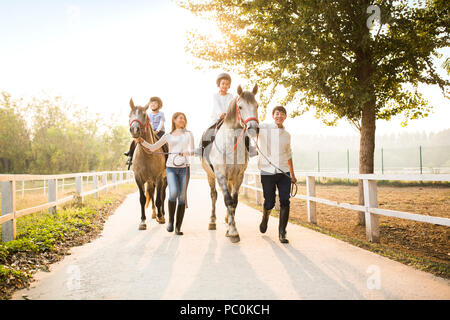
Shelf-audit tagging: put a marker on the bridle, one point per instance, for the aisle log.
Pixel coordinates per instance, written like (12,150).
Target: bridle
(144,127)
(243,123)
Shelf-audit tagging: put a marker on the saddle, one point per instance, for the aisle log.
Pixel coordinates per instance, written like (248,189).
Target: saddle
(208,138)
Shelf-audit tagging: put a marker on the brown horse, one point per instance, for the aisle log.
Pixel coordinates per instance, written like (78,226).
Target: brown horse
(149,167)
(226,158)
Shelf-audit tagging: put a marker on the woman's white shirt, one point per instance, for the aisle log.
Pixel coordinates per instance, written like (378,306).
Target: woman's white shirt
(183,143)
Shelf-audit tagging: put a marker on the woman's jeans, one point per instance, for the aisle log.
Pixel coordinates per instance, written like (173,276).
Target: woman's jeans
(178,179)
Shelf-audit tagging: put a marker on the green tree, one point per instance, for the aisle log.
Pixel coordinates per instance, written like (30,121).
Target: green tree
(15,142)
(113,143)
(331,56)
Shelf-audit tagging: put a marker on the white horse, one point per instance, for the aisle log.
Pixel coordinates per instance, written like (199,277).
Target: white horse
(226,158)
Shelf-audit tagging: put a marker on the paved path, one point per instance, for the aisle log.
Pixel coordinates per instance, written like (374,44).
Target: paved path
(125,263)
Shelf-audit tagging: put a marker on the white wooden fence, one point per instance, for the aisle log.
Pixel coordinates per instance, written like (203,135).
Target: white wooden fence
(9,214)
(370,208)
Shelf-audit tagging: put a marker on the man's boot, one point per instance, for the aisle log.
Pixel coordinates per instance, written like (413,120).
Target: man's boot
(284,218)
(265,220)
(180,216)
(172,206)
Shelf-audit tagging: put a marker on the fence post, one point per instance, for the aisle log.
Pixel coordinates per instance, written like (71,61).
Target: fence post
(95,178)
(114,179)
(104,181)
(44,186)
(52,194)
(420,151)
(62,187)
(9,206)
(79,188)
(318,161)
(382,161)
(371,201)
(348,161)
(311,205)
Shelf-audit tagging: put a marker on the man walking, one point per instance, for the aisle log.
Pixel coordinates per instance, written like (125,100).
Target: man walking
(277,170)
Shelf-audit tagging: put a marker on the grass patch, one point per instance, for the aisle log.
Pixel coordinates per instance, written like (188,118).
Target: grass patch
(44,238)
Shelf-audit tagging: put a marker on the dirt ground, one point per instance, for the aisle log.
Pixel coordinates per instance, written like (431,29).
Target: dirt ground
(416,239)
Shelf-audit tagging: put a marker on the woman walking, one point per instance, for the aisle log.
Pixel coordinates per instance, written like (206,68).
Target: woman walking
(181,146)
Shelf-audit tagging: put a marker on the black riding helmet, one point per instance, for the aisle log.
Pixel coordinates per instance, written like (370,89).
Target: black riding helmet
(222,76)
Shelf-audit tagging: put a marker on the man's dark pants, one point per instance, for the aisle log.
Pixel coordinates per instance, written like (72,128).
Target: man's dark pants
(270,182)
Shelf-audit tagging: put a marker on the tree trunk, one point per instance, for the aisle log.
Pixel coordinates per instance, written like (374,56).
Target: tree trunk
(366,149)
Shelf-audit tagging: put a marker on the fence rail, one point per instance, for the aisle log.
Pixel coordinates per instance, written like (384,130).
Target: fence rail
(370,207)
(9,214)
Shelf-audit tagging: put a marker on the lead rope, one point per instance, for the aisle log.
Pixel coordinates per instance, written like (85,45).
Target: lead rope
(293,185)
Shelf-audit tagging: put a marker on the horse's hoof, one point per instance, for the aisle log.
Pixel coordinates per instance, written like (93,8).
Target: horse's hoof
(227,234)
(212,226)
(154,215)
(142,226)
(160,220)
(235,239)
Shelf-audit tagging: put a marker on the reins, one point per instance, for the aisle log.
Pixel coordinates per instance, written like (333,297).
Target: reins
(293,185)
(242,123)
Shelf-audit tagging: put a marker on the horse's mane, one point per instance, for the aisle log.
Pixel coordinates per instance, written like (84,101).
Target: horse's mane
(231,111)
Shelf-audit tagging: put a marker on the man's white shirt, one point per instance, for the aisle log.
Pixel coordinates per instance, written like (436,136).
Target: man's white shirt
(275,144)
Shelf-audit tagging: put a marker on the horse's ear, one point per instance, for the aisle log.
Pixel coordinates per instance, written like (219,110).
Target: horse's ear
(255,89)
(132,104)
(239,90)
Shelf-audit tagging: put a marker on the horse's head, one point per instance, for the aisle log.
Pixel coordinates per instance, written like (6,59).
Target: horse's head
(247,110)
(138,119)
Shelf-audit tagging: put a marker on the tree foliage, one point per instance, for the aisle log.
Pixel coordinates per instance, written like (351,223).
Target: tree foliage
(324,54)
(357,60)
(58,138)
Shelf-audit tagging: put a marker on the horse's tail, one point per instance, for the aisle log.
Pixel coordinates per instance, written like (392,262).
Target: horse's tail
(147,196)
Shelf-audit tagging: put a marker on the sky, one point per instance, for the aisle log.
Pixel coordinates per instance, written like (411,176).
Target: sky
(99,54)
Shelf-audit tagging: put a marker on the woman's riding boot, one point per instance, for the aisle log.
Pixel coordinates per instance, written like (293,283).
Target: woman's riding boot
(265,220)
(284,218)
(180,216)
(172,206)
